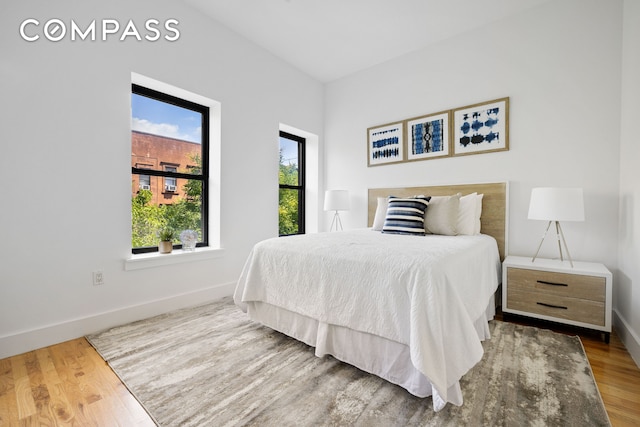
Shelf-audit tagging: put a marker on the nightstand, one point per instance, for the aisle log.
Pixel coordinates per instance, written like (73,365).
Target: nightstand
(553,290)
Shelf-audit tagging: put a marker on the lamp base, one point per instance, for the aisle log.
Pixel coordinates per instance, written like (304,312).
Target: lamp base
(336,221)
(559,236)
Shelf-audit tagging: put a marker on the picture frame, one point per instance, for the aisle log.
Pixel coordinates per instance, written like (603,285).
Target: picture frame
(481,128)
(428,136)
(385,144)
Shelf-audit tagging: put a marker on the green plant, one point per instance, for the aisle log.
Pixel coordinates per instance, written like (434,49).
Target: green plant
(167,235)
(288,201)
(146,220)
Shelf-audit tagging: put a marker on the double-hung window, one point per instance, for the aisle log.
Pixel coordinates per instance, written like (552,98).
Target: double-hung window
(170,182)
(292,184)
(169,168)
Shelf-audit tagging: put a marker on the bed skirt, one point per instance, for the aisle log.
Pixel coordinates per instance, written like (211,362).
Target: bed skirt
(387,359)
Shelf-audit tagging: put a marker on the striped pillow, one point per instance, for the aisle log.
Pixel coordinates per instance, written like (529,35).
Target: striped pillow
(406,216)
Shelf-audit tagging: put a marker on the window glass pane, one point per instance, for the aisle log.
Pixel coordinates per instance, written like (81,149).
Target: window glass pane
(148,218)
(289,217)
(289,170)
(163,132)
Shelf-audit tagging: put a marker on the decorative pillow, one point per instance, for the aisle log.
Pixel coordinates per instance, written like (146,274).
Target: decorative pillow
(405,216)
(469,214)
(381,213)
(442,217)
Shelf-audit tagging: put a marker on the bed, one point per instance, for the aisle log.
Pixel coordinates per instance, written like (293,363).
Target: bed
(412,309)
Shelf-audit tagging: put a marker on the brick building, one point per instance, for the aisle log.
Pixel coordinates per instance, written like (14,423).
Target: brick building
(161,153)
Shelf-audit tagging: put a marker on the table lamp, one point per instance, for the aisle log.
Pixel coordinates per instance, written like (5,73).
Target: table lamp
(555,205)
(336,200)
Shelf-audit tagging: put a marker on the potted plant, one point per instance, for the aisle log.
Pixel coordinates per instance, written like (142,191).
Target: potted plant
(166,235)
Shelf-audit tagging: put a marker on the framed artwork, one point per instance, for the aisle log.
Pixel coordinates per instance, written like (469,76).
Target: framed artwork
(385,144)
(481,128)
(428,136)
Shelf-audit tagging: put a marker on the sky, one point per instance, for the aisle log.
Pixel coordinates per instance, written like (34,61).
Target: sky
(160,118)
(289,151)
(164,119)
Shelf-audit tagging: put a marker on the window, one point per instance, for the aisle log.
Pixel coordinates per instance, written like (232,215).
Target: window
(169,167)
(170,183)
(292,196)
(145,182)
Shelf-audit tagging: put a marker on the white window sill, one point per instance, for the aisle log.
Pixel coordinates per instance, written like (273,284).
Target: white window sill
(155,259)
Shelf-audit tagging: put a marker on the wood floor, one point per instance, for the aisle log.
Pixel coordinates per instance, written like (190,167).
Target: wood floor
(66,384)
(69,384)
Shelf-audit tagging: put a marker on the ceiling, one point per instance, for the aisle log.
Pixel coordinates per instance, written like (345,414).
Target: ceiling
(330,39)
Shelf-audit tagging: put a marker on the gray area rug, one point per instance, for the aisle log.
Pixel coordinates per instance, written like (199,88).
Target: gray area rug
(211,366)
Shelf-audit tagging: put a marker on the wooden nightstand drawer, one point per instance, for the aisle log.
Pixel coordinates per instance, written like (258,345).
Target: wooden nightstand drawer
(563,307)
(576,293)
(550,284)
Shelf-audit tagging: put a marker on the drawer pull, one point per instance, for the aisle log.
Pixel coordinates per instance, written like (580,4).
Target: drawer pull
(552,306)
(544,282)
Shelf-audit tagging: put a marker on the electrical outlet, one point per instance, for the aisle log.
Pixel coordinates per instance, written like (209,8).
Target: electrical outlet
(98,278)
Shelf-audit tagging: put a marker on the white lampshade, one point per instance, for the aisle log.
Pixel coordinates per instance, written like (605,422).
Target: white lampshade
(336,200)
(557,204)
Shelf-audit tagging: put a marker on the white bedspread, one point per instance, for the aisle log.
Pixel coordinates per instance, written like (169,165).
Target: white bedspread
(424,292)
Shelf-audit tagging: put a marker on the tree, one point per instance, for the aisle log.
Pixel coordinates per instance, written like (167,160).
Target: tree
(193,188)
(288,200)
(146,220)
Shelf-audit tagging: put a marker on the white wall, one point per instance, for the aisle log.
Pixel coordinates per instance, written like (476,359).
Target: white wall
(561,65)
(65,163)
(627,295)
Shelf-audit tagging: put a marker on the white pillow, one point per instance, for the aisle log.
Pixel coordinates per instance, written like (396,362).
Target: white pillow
(442,215)
(469,212)
(381,213)
(478,213)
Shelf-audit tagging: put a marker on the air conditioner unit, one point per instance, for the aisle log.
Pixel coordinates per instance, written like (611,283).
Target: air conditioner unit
(170,187)
(145,187)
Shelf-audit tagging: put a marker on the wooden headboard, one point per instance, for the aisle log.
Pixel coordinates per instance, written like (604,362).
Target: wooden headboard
(494,204)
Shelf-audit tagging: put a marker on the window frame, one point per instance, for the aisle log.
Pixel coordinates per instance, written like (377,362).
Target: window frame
(203,177)
(301,187)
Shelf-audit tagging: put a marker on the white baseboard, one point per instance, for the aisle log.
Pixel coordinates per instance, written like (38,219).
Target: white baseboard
(627,335)
(11,345)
